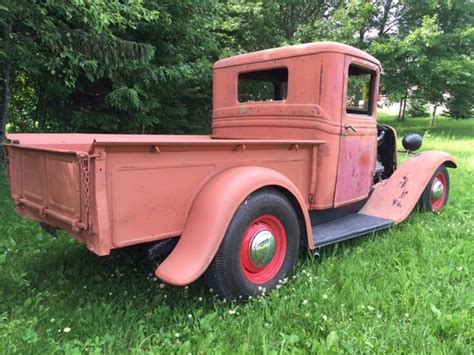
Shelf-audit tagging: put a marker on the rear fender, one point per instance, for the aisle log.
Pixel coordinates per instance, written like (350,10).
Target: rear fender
(396,197)
(210,215)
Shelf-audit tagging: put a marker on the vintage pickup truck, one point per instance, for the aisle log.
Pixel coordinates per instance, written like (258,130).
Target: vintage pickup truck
(295,158)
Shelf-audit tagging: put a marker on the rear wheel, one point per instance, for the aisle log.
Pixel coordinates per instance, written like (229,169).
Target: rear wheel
(435,195)
(260,247)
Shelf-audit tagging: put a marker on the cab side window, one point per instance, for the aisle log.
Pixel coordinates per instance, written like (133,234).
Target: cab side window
(263,85)
(360,90)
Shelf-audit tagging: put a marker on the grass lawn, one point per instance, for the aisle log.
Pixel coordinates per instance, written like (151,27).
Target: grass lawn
(408,290)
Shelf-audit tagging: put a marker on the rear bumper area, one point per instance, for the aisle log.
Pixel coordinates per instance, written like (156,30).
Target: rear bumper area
(52,186)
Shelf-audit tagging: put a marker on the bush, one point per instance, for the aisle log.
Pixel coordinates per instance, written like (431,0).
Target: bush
(459,107)
(417,108)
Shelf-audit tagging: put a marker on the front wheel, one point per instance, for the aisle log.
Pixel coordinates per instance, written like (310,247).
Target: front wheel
(435,195)
(260,247)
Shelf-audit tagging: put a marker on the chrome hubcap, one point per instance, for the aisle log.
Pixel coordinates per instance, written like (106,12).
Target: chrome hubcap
(262,248)
(437,189)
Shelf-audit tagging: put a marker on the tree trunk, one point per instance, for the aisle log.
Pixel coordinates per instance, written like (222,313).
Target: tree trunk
(400,109)
(361,36)
(386,12)
(5,92)
(433,116)
(405,99)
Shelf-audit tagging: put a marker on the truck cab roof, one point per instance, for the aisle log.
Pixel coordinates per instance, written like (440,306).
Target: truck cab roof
(294,51)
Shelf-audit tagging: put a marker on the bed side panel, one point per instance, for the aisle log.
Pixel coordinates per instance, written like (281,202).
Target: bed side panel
(151,192)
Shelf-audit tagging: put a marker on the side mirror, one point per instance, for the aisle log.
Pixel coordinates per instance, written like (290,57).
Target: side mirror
(412,142)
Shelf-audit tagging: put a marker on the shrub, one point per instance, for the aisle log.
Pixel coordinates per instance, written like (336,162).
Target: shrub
(417,107)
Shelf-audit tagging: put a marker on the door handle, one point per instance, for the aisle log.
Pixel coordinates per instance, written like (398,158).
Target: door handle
(349,127)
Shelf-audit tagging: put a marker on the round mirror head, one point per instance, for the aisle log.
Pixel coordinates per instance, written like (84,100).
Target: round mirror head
(412,142)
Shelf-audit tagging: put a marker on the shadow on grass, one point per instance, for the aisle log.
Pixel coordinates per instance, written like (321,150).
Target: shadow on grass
(76,276)
(71,272)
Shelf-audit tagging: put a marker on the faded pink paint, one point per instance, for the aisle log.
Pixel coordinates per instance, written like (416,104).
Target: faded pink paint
(396,197)
(210,215)
(111,191)
(358,145)
(138,193)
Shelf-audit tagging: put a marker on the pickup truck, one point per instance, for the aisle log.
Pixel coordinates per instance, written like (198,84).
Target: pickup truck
(296,159)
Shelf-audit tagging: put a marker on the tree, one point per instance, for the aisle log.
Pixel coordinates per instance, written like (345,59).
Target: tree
(141,66)
(54,44)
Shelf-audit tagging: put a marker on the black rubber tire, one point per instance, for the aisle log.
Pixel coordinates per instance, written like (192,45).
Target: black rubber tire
(424,204)
(225,274)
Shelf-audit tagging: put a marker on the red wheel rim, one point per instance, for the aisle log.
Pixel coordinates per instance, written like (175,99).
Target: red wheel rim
(437,198)
(271,262)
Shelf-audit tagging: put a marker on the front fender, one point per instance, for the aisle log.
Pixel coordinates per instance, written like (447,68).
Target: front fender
(397,196)
(210,215)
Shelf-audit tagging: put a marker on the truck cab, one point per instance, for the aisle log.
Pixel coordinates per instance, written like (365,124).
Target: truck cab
(319,91)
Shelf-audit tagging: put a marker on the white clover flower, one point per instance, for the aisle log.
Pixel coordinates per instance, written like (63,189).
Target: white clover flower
(176,335)
(155,279)
(325,297)
(200,299)
(162,285)
(305,302)
(66,330)
(190,316)
(232,312)
(325,317)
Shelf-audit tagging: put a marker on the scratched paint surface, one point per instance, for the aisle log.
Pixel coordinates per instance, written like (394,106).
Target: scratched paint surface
(356,163)
(396,197)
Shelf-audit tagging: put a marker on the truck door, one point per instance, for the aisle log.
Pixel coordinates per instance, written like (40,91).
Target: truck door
(358,143)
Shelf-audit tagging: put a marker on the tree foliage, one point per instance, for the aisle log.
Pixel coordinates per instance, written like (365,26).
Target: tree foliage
(145,66)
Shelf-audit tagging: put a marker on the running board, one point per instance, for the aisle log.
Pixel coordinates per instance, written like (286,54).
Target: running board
(347,227)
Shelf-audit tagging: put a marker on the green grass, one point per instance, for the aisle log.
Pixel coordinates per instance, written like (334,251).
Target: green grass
(408,290)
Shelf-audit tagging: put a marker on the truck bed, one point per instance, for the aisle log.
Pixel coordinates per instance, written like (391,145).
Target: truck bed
(111,191)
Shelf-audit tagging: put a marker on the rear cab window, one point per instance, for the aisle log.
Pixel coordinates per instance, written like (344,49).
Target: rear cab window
(263,85)
(360,90)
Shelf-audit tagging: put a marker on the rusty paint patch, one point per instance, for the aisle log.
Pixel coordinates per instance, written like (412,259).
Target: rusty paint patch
(243,109)
(364,160)
(403,182)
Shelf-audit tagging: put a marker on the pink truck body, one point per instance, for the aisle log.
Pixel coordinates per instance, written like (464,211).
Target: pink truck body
(112,191)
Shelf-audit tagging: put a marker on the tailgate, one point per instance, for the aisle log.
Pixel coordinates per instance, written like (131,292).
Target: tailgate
(52,183)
